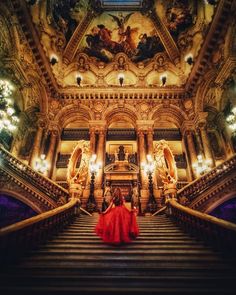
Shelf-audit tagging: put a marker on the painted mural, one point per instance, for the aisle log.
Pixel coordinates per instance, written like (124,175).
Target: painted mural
(65,15)
(130,33)
(133,32)
(179,15)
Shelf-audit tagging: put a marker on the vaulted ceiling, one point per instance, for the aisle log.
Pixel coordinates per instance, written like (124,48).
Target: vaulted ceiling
(143,41)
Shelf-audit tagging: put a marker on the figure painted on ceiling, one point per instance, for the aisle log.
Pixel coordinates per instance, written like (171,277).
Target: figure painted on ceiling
(147,47)
(178,17)
(65,15)
(121,20)
(104,41)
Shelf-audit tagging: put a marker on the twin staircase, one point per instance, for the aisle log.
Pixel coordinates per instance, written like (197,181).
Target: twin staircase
(162,260)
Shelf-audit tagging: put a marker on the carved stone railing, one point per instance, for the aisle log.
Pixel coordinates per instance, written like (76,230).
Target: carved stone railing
(29,180)
(209,185)
(217,232)
(22,236)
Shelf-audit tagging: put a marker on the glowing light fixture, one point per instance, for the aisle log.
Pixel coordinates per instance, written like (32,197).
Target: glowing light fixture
(202,166)
(41,165)
(231,120)
(53,60)
(79,79)
(189,59)
(8,119)
(121,78)
(163,79)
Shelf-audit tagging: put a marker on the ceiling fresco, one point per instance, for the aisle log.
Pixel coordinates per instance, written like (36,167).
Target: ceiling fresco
(85,35)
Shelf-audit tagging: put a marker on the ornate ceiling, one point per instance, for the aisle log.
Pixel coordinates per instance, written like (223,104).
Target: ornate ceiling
(98,41)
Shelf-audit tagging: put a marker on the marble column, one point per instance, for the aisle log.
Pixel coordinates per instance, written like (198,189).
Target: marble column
(191,150)
(226,134)
(100,157)
(51,152)
(206,145)
(142,156)
(150,141)
(37,144)
(92,141)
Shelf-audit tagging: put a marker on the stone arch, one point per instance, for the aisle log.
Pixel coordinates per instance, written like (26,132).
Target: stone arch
(71,112)
(223,199)
(128,114)
(173,113)
(24,199)
(203,90)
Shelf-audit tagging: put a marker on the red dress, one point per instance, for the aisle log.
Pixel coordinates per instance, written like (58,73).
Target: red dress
(117,225)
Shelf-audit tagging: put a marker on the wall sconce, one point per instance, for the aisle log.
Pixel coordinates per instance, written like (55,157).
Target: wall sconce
(163,79)
(78,80)
(121,78)
(202,166)
(211,2)
(189,59)
(231,120)
(53,60)
(41,165)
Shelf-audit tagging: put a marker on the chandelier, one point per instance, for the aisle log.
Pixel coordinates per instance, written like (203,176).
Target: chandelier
(8,120)
(231,120)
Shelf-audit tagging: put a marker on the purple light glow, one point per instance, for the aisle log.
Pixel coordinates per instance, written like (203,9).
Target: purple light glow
(226,211)
(13,210)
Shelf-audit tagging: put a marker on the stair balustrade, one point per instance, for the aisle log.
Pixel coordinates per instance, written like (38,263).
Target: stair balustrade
(198,187)
(22,236)
(17,169)
(219,233)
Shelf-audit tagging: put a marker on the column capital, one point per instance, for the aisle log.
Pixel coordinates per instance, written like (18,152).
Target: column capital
(200,119)
(187,126)
(54,128)
(144,125)
(97,125)
(140,133)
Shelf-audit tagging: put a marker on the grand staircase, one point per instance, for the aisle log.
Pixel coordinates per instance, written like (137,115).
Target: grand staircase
(162,260)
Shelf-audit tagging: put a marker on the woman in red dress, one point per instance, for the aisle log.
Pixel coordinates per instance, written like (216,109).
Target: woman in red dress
(117,224)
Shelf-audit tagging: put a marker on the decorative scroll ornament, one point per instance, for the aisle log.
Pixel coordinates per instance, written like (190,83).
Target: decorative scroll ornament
(77,171)
(165,162)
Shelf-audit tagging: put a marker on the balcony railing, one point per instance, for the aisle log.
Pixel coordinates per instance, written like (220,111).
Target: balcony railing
(211,179)
(17,169)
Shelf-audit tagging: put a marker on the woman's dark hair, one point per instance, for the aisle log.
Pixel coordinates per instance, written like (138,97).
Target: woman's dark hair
(117,197)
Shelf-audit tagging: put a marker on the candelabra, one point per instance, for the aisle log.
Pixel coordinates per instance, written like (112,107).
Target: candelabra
(202,166)
(41,165)
(231,120)
(149,168)
(8,120)
(91,205)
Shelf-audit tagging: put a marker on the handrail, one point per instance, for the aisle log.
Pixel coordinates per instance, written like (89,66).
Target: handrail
(217,231)
(18,238)
(44,184)
(199,185)
(32,220)
(159,211)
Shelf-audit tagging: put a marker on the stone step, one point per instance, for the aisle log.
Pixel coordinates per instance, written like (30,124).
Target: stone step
(98,241)
(132,246)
